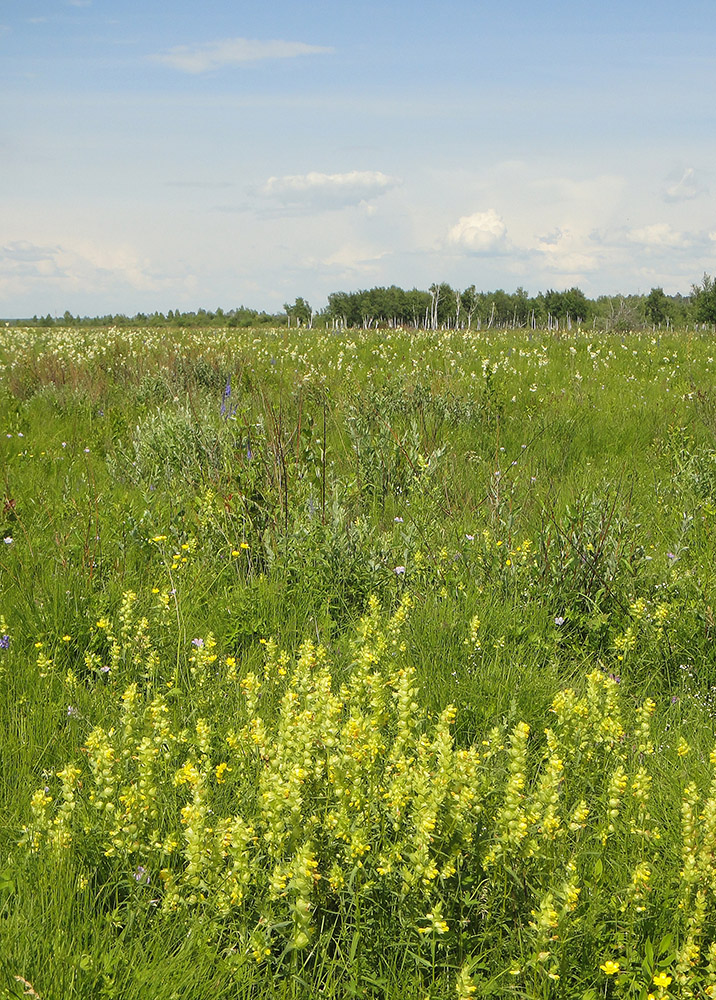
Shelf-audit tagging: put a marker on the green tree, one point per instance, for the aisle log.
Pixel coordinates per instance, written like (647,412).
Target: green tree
(657,307)
(704,298)
(300,311)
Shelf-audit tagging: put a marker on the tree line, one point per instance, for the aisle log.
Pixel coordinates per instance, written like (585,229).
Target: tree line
(443,307)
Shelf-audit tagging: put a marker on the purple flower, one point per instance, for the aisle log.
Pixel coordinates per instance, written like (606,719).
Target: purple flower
(4,641)
(199,643)
(399,570)
(72,712)
(559,620)
(141,875)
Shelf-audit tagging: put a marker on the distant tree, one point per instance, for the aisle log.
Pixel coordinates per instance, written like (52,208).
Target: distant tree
(567,307)
(657,307)
(300,311)
(469,302)
(703,297)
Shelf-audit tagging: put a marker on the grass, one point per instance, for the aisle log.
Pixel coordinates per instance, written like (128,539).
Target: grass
(375,665)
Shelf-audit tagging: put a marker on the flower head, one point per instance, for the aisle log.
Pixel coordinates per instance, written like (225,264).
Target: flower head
(610,968)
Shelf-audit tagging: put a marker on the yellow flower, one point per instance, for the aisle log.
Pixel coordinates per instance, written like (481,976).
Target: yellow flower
(661,979)
(244,545)
(610,968)
(67,638)
(221,770)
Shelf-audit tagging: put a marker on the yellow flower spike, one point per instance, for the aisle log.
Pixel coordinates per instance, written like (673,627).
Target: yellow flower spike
(683,747)
(610,968)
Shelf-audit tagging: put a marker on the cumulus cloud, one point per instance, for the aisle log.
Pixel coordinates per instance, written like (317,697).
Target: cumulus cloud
(685,187)
(659,236)
(233,52)
(479,233)
(328,191)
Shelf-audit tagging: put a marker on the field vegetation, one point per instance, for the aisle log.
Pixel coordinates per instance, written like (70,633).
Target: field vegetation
(357,663)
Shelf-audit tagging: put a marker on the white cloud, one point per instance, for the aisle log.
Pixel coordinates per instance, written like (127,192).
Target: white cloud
(659,236)
(567,252)
(233,52)
(685,188)
(481,232)
(66,270)
(326,191)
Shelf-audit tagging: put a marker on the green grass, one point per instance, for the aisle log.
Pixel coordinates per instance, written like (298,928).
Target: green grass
(557,493)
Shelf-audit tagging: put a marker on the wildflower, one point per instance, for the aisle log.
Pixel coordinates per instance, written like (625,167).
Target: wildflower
(661,979)
(8,540)
(220,771)
(4,641)
(199,643)
(67,638)
(72,712)
(399,570)
(559,620)
(244,545)
(611,968)
(398,520)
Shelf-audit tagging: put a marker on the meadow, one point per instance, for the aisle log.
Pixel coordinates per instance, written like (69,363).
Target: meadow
(374,664)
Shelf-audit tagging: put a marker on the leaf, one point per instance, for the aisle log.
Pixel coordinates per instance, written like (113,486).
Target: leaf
(665,944)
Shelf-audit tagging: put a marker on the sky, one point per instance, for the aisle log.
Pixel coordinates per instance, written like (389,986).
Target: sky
(188,155)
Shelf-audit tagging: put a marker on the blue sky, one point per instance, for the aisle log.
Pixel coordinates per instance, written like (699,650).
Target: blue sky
(157,156)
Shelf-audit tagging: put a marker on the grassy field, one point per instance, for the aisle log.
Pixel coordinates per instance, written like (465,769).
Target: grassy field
(377,664)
